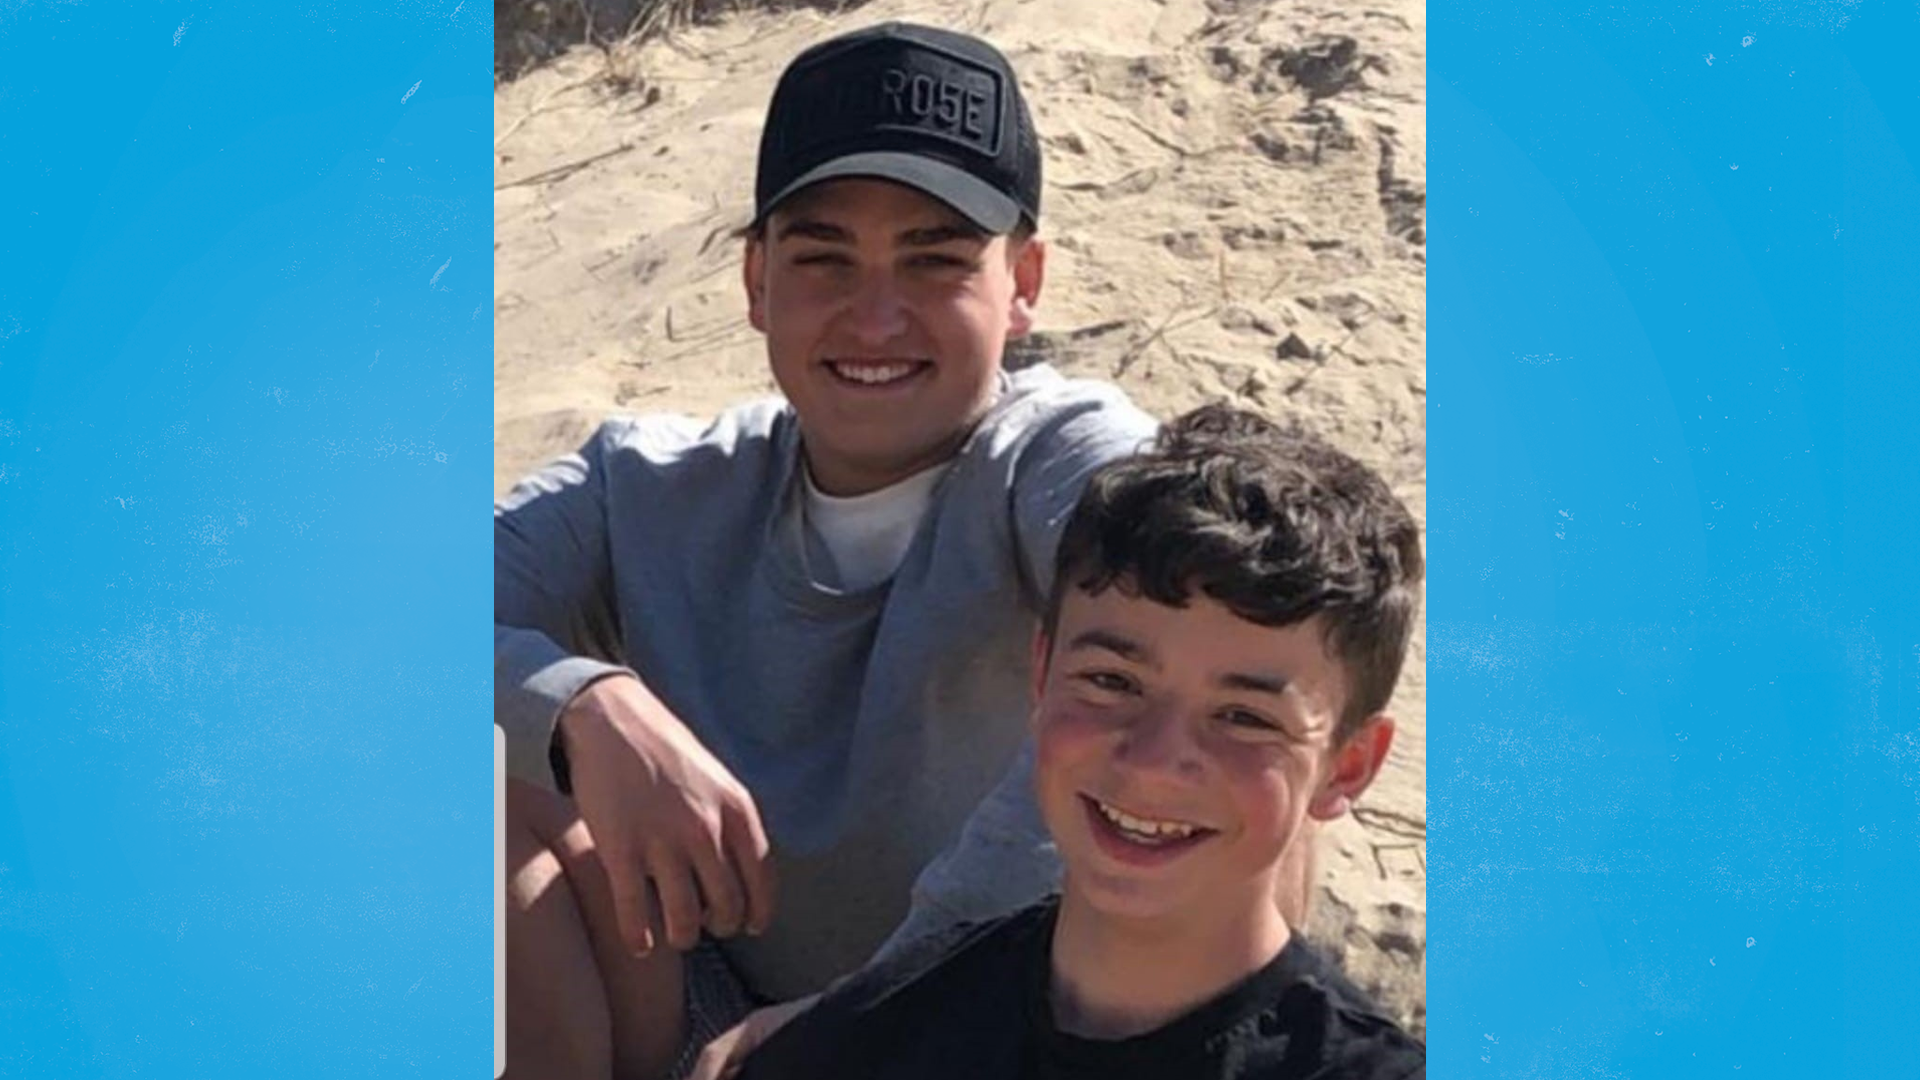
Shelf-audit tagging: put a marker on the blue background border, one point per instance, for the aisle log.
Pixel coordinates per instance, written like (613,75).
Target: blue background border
(245,467)
(1674,655)
(244,443)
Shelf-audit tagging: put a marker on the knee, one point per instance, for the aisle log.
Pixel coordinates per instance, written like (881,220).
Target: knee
(543,813)
(533,871)
(537,825)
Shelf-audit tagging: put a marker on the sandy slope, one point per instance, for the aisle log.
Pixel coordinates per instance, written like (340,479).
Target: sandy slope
(1236,204)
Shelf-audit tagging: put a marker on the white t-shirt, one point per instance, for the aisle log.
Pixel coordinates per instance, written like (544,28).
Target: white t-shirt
(864,537)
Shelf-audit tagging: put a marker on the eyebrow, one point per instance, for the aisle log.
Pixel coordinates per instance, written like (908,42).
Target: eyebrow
(929,236)
(1128,649)
(815,229)
(941,234)
(1259,684)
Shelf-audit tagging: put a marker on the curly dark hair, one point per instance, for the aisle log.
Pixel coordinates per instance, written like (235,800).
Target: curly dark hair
(1271,522)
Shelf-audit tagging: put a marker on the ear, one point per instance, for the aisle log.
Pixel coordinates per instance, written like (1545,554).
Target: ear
(1041,653)
(753,274)
(1353,765)
(1029,273)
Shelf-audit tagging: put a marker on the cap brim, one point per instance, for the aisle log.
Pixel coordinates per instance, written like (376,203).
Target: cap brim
(975,199)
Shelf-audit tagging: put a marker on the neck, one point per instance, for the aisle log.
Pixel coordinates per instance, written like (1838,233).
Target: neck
(844,480)
(845,476)
(1098,960)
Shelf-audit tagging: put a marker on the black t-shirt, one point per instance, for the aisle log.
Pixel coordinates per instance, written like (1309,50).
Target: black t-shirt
(973,1005)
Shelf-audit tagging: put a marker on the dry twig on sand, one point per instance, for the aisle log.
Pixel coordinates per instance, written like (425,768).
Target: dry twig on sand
(561,172)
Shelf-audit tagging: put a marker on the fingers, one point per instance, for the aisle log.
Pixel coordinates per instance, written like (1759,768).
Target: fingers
(719,889)
(747,850)
(632,906)
(735,875)
(679,900)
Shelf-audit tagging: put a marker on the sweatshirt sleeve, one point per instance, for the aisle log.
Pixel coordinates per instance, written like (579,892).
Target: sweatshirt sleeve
(1096,425)
(554,624)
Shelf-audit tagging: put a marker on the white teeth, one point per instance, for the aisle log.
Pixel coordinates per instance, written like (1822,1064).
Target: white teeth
(873,374)
(1157,831)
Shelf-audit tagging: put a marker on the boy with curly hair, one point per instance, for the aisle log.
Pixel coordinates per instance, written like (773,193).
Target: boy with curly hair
(1228,615)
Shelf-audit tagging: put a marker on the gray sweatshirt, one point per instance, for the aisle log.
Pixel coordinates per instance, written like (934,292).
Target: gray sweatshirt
(869,726)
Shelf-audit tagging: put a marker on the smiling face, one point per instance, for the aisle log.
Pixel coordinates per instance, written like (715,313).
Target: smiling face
(886,313)
(1182,752)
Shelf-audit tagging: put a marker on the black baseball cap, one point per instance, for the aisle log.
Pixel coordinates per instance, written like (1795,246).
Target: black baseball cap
(929,108)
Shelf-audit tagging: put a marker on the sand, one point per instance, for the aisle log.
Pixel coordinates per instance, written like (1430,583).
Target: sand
(1236,210)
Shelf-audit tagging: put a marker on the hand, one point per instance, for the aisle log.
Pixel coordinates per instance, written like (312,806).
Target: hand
(723,1056)
(665,813)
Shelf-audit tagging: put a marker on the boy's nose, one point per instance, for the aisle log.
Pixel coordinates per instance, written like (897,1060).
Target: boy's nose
(876,312)
(1158,742)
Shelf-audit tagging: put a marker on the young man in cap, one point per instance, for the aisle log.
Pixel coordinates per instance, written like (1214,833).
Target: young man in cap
(801,631)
